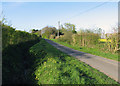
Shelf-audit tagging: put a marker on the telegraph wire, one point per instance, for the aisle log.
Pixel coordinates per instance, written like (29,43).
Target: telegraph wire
(90,9)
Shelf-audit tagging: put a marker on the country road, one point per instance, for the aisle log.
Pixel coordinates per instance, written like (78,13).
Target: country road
(107,66)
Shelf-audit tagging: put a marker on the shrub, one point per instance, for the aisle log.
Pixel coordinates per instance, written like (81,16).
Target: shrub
(48,31)
(112,45)
(85,39)
(52,36)
(15,57)
(67,37)
(11,36)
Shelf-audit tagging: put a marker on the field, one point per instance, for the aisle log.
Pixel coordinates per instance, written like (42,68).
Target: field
(94,51)
(104,40)
(55,67)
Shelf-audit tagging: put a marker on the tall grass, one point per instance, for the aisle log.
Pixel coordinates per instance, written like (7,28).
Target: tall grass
(55,67)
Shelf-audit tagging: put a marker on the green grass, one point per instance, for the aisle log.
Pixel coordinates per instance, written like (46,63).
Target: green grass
(55,67)
(93,51)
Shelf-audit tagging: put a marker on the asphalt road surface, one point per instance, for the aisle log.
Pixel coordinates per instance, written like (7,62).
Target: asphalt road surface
(107,66)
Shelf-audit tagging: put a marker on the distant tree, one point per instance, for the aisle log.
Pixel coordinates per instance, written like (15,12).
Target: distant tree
(34,30)
(67,30)
(38,33)
(47,31)
(70,27)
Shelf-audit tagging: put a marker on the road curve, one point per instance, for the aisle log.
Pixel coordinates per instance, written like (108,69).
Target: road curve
(107,66)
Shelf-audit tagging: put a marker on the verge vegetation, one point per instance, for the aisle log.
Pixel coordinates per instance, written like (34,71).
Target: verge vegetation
(94,41)
(55,67)
(16,60)
(94,51)
(25,62)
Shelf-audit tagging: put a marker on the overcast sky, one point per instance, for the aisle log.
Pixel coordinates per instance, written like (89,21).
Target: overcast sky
(29,15)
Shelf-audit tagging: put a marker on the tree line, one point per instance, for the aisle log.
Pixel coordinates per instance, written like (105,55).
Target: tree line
(84,37)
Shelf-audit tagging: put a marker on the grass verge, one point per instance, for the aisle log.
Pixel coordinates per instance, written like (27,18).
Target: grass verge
(93,51)
(55,67)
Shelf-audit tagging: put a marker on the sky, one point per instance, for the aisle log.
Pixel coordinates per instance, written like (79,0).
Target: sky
(36,15)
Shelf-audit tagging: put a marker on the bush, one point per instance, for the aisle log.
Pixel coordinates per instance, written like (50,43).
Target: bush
(67,37)
(16,60)
(15,57)
(48,31)
(52,36)
(11,36)
(113,45)
(85,39)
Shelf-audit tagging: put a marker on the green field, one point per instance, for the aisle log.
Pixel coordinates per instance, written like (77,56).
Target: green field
(93,51)
(55,67)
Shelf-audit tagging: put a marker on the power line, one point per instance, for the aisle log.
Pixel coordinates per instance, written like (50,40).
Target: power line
(88,10)
(91,9)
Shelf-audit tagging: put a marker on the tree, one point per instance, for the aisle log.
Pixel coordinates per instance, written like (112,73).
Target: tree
(47,31)
(34,30)
(38,33)
(61,30)
(67,31)
(70,27)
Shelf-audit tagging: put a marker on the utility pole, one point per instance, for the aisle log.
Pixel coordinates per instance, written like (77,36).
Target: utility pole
(58,27)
